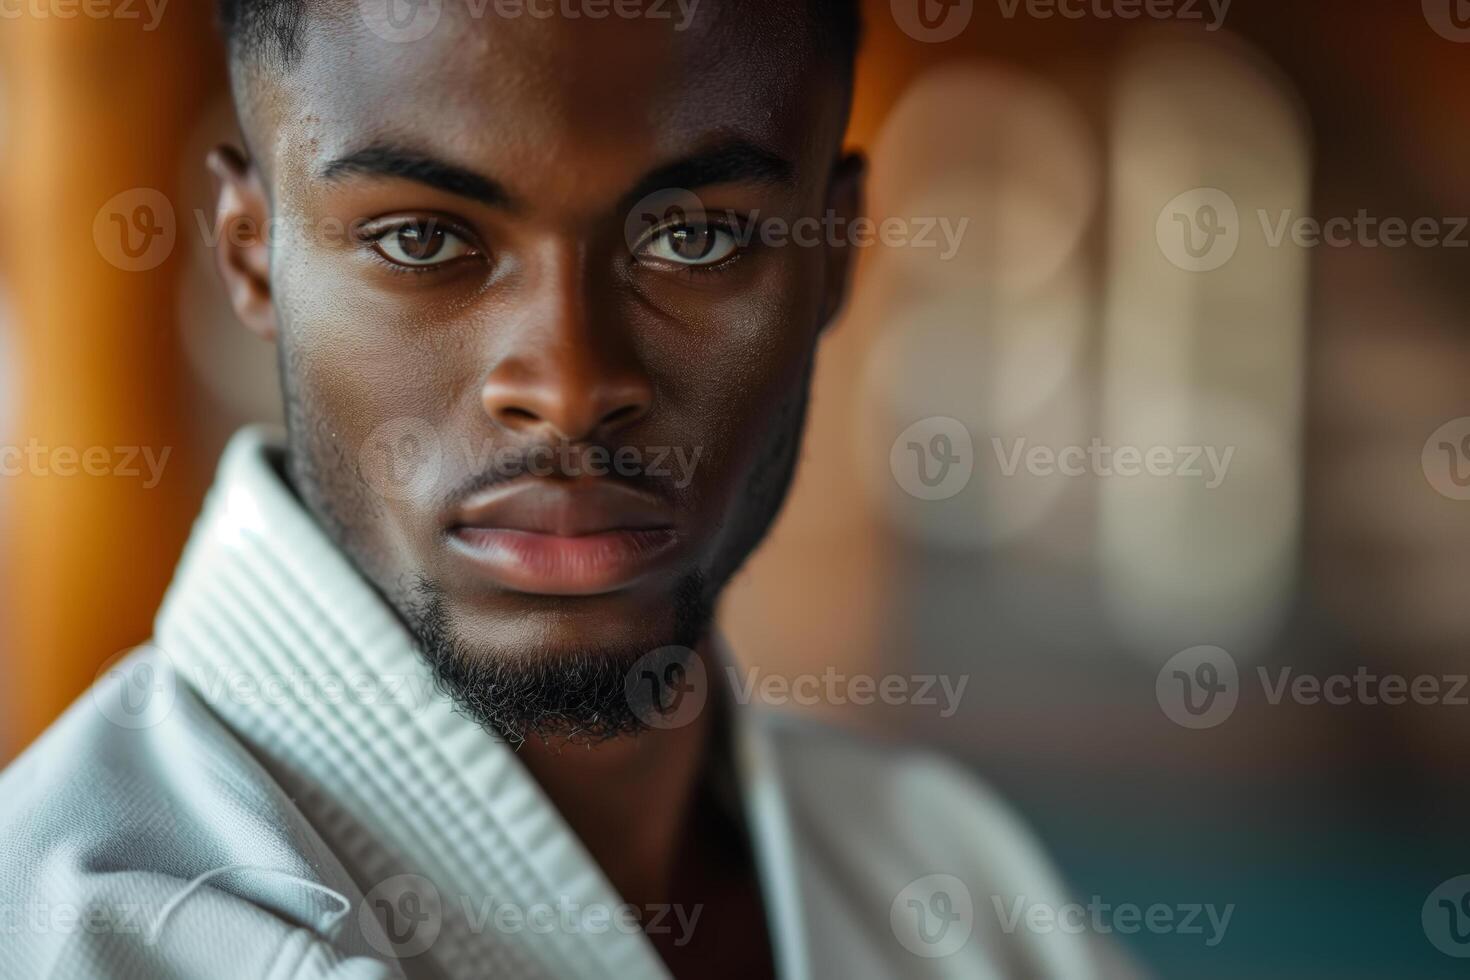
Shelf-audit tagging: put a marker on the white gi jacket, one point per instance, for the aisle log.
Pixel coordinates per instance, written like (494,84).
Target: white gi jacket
(273,789)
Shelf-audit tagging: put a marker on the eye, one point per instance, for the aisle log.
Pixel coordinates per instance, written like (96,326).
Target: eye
(691,243)
(420,244)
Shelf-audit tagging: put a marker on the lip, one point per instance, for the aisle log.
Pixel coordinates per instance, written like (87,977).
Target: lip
(563,537)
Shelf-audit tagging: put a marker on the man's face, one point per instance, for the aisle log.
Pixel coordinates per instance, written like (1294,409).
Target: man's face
(522,392)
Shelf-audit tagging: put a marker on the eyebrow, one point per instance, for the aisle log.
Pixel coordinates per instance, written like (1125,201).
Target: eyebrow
(734,162)
(386,160)
(737,161)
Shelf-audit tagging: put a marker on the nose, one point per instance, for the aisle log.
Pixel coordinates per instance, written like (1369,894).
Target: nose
(564,399)
(561,376)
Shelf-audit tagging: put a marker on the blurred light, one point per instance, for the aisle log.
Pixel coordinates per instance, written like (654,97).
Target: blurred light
(1203,358)
(1007,374)
(1003,155)
(991,336)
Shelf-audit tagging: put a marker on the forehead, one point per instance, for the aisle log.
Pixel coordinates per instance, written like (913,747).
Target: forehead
(557,105)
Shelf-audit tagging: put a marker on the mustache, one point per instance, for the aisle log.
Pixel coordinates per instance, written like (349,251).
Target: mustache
(562,460)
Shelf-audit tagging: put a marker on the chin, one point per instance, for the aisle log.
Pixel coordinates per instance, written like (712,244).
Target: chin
(559,627)
(526,627)
(556,667)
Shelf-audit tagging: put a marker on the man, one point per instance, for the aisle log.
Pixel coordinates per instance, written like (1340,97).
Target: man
(435,692)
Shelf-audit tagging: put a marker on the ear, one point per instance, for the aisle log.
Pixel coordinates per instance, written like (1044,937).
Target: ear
(845,202)
(242,252)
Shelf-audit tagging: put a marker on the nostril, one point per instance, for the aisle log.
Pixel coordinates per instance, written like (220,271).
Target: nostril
(619,415)
(513,413)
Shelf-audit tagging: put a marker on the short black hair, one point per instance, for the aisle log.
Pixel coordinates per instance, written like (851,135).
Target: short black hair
(269,31)
(262,30)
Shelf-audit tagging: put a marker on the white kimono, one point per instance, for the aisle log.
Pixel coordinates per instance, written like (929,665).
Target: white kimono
(273,789)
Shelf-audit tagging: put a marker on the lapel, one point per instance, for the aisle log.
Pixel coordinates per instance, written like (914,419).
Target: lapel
(432,816)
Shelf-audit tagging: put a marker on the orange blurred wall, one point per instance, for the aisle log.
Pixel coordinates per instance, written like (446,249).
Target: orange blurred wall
(92,107)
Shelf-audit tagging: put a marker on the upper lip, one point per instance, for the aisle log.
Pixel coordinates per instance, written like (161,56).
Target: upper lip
(566,508)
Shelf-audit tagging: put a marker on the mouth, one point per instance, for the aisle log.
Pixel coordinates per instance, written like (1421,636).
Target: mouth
(563,537)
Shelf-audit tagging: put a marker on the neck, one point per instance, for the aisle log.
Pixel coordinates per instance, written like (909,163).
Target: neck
(629,799)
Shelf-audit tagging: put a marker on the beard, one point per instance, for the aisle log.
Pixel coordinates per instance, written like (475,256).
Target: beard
(582,696)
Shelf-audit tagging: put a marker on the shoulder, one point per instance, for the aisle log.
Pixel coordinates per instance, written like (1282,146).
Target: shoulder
(145,840)
(137,759)
(922,856)
(896,784)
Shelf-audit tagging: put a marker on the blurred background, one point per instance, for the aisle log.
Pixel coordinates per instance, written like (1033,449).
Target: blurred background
(1136,186)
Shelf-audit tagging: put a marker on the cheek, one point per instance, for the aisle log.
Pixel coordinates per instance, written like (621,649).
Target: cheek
(363,360)
(355,380)
(721,344)
(734,385)
(368,418)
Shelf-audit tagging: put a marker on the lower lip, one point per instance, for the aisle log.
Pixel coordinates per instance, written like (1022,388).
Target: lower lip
(550,564)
